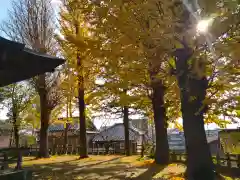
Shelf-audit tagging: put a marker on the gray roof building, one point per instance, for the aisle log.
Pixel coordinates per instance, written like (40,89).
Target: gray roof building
(116,133)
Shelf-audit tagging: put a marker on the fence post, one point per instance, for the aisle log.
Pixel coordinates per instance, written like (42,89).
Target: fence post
(60,149)
(97,150)
(63,150)
(66,150)
(92,147)
(174,156)
(58,152)
(50,151)
(30,150)
(238,161)
(5,161)
(218,159)
(228,161)
(142,150)
(54,150)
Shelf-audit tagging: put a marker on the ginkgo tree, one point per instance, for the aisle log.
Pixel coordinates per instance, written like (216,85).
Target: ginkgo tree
(76,47)
(134,31)
(145,35)
(195,74)
(120,94)
(172,32)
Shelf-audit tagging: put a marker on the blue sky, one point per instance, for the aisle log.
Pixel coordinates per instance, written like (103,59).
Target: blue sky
(4,6)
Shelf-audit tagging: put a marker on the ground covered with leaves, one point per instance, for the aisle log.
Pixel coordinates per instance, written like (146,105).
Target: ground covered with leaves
(102,168)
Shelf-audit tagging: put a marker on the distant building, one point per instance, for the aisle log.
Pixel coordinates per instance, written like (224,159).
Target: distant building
(176,140)
(103,128)
(56,133)
(141,124)
(113,137)
(230,140)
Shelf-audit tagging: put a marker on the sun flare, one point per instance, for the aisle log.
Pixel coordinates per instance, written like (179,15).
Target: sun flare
(202,26)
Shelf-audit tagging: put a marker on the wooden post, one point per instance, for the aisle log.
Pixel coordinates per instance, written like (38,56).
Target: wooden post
(61,149)
(66,149)
(5,161)
(30,150)
(173,156)
(142,144)
(72,149)
(54,150)
(58,152)
(114,148)
(238,160)
(97,149)
(228,160)
(50,151)
(218,159)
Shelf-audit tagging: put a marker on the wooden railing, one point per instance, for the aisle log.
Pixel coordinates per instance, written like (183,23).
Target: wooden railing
(10,156)
(60,150)
(227,162)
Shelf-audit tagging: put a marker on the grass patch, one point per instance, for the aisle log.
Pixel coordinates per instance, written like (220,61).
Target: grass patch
(136,161)
(71,159)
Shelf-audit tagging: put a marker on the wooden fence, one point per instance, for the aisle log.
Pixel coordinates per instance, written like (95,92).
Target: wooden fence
(60,150)
(10,156)
(228,163)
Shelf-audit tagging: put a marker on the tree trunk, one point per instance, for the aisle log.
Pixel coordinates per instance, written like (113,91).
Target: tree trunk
(16,130)
(126,130)
(43,150)
(162,148)
(81,105)
(193,92)
(45,116)
(66,131)
(82,124)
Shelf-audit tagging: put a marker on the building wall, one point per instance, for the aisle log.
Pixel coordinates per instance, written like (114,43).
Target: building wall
(4,141)
(57,138)
(141,124)
(117,146)
(176,142)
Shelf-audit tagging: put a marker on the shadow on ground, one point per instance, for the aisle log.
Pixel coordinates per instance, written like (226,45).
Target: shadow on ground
(112,169)
(116,168)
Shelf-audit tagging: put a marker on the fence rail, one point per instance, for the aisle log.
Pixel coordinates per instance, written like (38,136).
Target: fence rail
(69,149)
(229,163)
(10,156)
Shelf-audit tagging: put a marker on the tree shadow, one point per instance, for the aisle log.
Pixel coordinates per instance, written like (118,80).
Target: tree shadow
(231,172)
(89,172)
(151,171)
(113,169)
